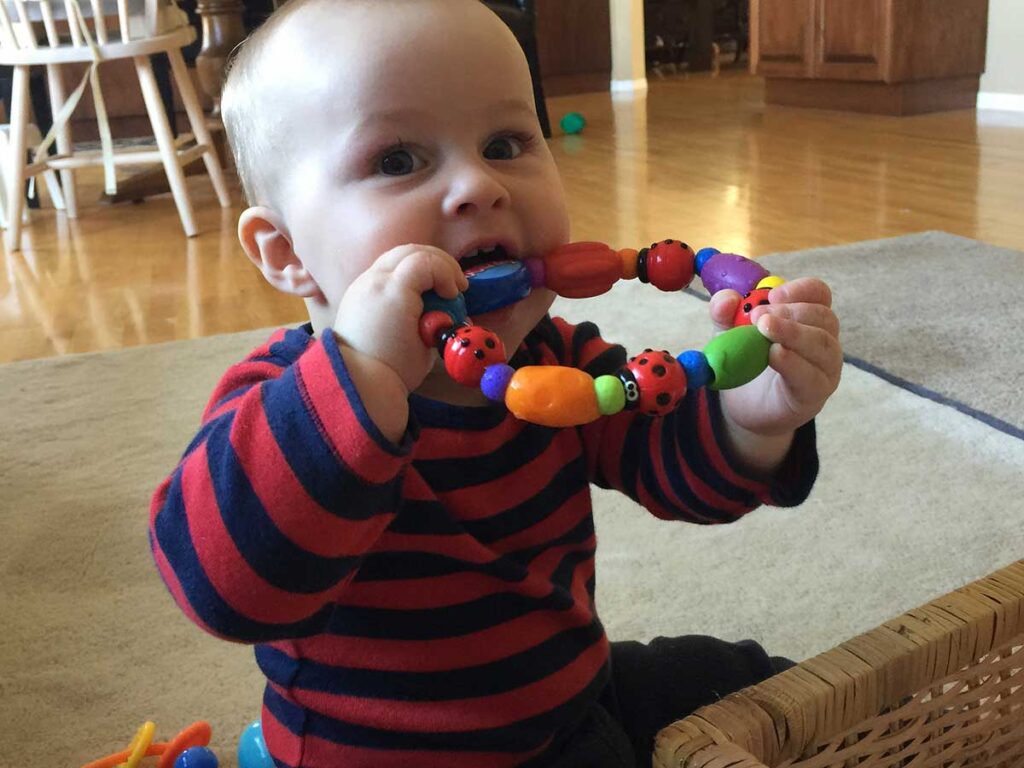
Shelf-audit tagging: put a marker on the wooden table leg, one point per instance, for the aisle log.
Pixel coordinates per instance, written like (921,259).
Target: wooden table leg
(700,55)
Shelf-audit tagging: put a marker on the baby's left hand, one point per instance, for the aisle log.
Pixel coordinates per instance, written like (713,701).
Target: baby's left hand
(804,362)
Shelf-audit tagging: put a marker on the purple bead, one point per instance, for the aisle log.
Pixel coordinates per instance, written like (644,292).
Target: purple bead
(727,270)
(536,269)
(495,381)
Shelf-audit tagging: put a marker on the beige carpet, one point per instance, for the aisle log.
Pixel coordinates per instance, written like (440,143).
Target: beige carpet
(915,498)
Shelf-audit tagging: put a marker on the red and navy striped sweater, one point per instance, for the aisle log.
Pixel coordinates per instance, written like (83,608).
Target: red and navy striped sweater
(429,603)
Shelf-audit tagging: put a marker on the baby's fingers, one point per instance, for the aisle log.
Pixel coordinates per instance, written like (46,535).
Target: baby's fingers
(818,315)
(428,269)
(815,345)
(723,309)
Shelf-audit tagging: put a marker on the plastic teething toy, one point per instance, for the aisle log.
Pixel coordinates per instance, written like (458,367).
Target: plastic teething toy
(654,381)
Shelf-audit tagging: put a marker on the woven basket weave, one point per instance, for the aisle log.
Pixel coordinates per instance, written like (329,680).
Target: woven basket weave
(941,686)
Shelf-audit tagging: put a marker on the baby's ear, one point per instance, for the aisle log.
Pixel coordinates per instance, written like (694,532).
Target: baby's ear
(263,236)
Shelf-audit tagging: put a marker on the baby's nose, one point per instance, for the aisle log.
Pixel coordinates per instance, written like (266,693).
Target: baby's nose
(473,190)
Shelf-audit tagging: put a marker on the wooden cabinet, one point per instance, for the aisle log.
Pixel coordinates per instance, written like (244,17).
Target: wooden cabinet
(889,56)
(574,44)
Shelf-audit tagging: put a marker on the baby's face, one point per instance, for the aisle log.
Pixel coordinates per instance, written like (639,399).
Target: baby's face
(418,127)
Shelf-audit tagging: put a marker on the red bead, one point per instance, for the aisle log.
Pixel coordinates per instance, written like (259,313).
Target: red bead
(469,351)
(581,270)
(661,379)
(432,325)
(670,265)
(754,298)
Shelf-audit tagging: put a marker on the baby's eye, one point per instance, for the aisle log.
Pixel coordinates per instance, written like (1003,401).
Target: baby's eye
(504,148)
(398,162)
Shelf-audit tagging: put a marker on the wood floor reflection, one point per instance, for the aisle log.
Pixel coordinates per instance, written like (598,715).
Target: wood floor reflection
(700,159)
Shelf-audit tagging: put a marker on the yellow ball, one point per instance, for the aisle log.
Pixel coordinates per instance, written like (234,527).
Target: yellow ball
(772,281)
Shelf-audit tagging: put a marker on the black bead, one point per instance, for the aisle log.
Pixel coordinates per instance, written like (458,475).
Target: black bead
(641,264)
(659,370)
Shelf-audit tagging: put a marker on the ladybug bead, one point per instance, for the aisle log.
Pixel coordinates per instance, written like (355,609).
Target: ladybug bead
(469,351)
(668,265)
(661,380)
(751,299)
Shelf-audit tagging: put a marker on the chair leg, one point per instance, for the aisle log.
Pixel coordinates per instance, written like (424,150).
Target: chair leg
(165,142)
(65,145)
(197,121)
(15,174)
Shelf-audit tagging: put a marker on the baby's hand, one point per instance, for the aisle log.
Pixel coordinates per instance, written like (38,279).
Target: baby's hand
(804,361)
(379,314)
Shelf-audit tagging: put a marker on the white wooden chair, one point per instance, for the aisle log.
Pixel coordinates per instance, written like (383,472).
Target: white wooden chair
(144,27)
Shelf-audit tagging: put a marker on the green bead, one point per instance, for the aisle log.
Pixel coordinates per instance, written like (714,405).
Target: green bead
(737,356)
(573,122)
(611,397)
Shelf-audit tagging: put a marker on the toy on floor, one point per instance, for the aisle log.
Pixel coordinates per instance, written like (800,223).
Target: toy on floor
(252,749)
(559,396)
(573,122)
(183,746)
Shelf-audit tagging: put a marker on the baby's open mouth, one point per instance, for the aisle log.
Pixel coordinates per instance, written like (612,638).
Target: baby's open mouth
(482,259)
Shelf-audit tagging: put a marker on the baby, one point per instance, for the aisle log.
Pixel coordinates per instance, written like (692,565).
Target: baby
(414,565)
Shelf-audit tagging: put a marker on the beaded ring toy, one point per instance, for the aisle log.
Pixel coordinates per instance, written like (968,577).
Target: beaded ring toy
(560,396)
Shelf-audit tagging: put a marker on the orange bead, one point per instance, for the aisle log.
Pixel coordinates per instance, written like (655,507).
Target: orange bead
(629,257)
(552,395)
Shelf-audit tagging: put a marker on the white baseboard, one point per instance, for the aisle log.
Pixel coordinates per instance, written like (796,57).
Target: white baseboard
(1010,102)
(636,87)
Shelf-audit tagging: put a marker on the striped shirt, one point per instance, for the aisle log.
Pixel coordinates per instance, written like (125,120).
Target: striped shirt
(430,602)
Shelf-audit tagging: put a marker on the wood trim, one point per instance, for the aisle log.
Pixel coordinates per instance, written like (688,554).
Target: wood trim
(910,98)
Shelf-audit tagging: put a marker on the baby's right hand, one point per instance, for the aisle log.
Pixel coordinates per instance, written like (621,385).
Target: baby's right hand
(380,312)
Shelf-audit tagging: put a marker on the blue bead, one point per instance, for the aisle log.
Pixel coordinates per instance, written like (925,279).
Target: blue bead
(495,381)
(698,372)
(702,257)
(252,749)
(455,308)
(196,757)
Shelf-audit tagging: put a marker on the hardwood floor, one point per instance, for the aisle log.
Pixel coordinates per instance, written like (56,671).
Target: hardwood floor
(701,159)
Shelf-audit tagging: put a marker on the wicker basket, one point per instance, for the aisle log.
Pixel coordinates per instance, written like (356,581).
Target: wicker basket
(941,686)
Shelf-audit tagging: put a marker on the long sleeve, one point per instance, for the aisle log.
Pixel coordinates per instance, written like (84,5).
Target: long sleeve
(284,489)
(676,466)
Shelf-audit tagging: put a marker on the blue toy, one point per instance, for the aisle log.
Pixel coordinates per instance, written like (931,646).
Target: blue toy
(252,749)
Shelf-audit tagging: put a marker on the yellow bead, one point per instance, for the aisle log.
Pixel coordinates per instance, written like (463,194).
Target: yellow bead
(552,395)
(629,257)
(771,281)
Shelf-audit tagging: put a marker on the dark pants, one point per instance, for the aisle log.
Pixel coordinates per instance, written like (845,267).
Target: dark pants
(652,686)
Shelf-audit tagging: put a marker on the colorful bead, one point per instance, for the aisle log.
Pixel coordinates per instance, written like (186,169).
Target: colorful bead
(611,396)
(698,372)
(469,351)
(581,270)
(454,308)
(729,271)
(433,324)
(536,269)
(661,379)
(668,265)
(495,381)
(552,395)
(772,281)
(702,258)
(737,356)
(628,256)
(756,298)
